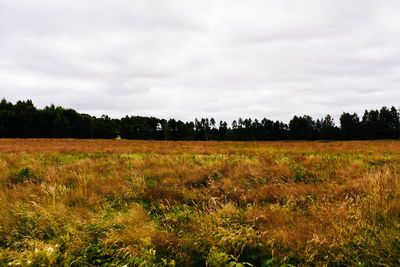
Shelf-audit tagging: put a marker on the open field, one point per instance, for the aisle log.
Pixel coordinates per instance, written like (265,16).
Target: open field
(152,203)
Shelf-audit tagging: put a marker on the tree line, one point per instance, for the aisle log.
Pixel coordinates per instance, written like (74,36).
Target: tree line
(24,120)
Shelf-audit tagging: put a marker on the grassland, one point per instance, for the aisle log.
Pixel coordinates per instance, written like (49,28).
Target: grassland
(148,203)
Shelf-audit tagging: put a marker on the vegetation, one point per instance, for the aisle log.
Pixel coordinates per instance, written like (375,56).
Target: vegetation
(157,203)
(24,120)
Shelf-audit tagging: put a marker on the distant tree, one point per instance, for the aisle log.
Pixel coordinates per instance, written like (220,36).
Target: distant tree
(189,131)
(165,129)
(7,118)
(212,123)
(223,130)
(327,129)
(302,128)
(206,128)
(23,119)
(370,124)
(266,129)
(350,126)
(234,125)
(389,123)
(105,127)
(213,135)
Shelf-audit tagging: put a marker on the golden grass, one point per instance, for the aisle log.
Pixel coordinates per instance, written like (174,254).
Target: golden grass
(106,202)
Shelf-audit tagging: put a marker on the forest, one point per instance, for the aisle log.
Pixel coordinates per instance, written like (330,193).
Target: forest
(24,120)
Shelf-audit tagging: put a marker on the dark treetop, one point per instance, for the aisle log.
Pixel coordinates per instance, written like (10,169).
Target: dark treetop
(24,120)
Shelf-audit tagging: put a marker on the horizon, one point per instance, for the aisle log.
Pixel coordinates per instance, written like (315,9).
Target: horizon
(335,119)
(183,60)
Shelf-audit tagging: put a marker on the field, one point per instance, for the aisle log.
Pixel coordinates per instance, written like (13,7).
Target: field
(150,203)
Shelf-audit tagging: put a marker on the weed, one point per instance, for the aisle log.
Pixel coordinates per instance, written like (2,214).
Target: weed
(24,175)
(148,203)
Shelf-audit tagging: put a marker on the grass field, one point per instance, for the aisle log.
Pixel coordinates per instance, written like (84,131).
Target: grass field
(149,203)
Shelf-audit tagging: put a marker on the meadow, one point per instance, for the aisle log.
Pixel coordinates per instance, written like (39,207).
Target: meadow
(66,202)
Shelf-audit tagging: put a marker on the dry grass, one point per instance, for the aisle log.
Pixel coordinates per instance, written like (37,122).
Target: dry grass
(106,202)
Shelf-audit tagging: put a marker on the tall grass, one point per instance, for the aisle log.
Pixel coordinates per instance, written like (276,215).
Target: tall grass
(149,203)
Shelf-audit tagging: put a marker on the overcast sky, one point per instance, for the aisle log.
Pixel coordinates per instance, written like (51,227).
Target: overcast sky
(187,59)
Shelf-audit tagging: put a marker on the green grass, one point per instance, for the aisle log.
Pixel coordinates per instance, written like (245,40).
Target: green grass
(273,204)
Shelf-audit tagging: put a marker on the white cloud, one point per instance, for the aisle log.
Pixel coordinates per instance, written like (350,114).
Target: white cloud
(187,59)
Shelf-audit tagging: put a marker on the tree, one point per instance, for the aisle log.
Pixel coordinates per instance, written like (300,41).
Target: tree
(327,129)
(223,130)
(302,128)
(389,123)
(23,119)
(350,126)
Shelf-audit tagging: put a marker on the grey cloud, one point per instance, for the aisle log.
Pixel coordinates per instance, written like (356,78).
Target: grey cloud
(188,59)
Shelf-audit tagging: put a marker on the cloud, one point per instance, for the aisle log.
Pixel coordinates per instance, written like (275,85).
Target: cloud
(185,59)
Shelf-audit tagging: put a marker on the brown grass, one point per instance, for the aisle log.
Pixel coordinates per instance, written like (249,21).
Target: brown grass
(92,202)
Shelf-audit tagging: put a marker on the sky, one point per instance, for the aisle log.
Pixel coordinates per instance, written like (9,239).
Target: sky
(211,58)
